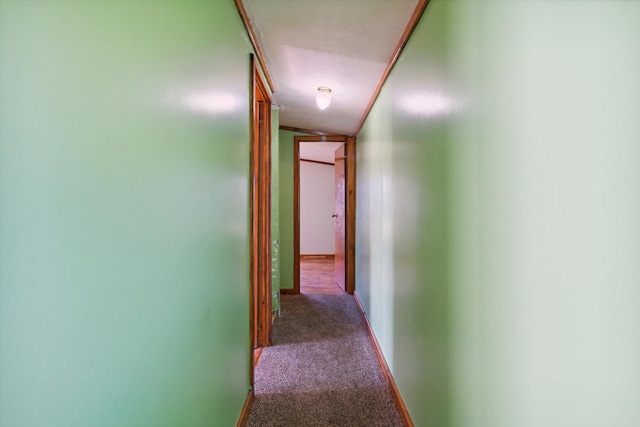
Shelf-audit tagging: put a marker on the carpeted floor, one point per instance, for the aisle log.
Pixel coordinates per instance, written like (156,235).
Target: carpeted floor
(321,369)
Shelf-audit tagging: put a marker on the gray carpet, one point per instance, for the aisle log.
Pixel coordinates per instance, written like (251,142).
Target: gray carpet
(321,369)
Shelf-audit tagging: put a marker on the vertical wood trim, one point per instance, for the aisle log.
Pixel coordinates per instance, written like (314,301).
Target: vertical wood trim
(340,216)
(296,215)
(246,409)
(350,202)
(260,212)
(265,219)
(411,25)
(395,393)
(253,270)
(254,42)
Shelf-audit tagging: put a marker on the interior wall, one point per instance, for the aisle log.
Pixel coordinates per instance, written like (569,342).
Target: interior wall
(317,204)
(498,213)
(286,208)
(275,208)
(286,161)
(124,156)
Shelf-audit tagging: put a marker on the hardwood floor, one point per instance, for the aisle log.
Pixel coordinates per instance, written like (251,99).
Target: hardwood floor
(317,276)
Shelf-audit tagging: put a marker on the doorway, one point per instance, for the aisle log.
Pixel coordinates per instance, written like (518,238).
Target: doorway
(324,252)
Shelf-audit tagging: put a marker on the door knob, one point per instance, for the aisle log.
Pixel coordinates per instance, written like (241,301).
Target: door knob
(334,216)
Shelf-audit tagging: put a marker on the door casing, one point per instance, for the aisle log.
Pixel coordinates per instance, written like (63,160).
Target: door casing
(260,196)
(339,231)
(350,205)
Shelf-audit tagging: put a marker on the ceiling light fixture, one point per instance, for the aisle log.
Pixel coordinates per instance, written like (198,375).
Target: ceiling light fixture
(323,98)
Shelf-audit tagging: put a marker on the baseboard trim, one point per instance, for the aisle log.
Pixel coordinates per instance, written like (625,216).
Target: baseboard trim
(317,256)
(246,408)
(402,409)
(288,292)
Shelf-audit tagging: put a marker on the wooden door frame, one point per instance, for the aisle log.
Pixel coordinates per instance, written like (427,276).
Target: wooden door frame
(350,208)
(260,199)
(339,214)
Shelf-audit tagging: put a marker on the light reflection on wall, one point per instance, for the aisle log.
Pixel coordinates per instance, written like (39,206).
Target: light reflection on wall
(429,104)
(204,102)
(211,103)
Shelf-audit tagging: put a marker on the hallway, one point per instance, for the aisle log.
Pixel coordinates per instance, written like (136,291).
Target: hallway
(322,369)
(493,182)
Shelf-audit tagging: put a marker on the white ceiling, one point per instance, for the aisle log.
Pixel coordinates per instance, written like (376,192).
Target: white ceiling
(343,44)
(319,151)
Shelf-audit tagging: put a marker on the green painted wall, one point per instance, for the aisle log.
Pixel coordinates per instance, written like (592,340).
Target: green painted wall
(275,208)
(124,161)
(498,210)
(286,206)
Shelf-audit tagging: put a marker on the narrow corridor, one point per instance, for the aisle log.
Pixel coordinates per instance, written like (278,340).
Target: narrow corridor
(322,369)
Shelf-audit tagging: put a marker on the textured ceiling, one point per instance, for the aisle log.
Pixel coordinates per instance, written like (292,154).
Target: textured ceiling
(319,151)
(343,44)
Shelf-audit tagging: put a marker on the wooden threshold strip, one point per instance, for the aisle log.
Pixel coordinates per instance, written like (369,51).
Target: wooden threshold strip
(246,408)
(256,355)
(402,409)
